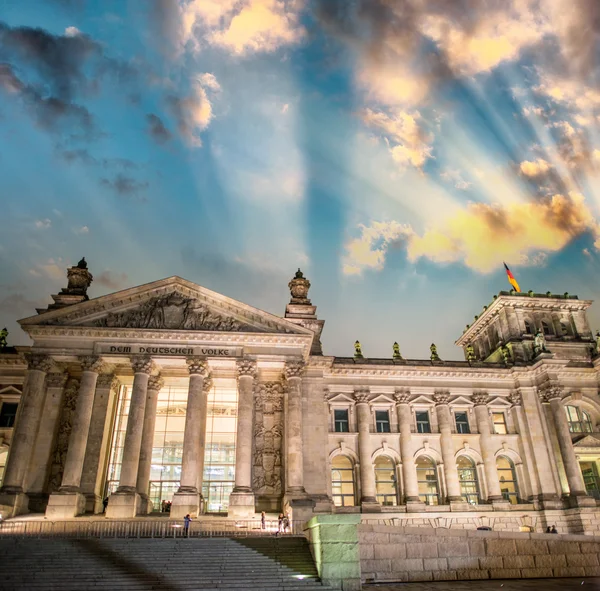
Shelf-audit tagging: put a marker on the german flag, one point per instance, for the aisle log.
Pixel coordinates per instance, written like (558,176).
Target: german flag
(511,279)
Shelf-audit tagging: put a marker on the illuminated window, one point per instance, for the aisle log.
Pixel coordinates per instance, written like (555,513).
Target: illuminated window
(579,420)
(467,476)
(508,479)
(499,420)
(385,481)
(462,422)
(382,421)
(342,482)
(423,425)
(427,480)
(342,424)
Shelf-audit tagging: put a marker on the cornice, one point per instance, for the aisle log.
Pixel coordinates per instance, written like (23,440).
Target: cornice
(417,372)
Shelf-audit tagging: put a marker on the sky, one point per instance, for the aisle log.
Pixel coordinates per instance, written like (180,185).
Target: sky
(397,151)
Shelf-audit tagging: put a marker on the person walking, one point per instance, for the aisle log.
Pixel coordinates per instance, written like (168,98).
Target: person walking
(263,520)
(186,524)
(105,504)
(280,523)
(553,530)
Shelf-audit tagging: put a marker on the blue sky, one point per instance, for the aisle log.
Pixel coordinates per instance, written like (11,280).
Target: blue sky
(396,152)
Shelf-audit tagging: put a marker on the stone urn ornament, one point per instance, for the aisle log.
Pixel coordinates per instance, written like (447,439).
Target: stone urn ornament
(299,287)
(79,279)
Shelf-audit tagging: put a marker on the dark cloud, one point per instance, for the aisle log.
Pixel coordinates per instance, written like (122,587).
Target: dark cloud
(125,186)
(83,156)
(111,280)
(157,130)
(163,16)
(581,39)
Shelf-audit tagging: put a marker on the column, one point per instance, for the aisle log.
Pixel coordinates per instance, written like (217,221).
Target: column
(294,482)
(447,445)
(409,472)
(25,432)
(187,498)
(125,503)
(36,478)
(155,383)
(482,417)
(95,463)
(368,488)
(68,501)
(577,493)
(241,500)
(206,388)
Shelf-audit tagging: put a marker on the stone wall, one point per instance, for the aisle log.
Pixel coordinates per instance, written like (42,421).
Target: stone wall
(389,553)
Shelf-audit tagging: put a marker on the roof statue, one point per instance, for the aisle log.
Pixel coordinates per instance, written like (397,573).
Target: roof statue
(299,287)
(357,351)
(82,264)
(3,335)
(434,354)
(539,343)
(597,350)
(396,348)
(470,351)
(506,355)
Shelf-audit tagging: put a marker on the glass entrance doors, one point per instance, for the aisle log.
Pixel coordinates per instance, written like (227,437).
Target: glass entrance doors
(161,491)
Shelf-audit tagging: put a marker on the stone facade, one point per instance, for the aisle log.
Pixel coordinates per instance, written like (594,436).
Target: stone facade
(509,437)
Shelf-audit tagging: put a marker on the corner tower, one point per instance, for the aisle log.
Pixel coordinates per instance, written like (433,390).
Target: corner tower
(522,326)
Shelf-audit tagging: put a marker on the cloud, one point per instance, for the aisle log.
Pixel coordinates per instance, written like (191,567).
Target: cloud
(536,168)
(481,235)
(125,186)
(115,281)
(157,130)
(455,177)
(194,112)
(370,249)
(54,269)
(43,224)
(82,230)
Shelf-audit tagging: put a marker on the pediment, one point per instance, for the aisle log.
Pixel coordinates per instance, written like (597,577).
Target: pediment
(422,399)
(588,441)
(461,401)
(499,401)
(341,397)
(382,399)
(168,304)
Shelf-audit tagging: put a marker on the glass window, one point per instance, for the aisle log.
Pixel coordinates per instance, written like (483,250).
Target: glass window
(427,480)
(467,476)
(8,413)
(579,420)
(342,481)
(342,425)
(528,328)
(589,471)
(423,425)
(499,420)
(462,422)
(546,328)
(508,479)
(382,421)
(385,481)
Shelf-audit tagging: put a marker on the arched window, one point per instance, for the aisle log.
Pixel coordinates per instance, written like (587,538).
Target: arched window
(546,328)
(427,480)
(563,328)
(342,481)
(508,479)
(467,476)
(385,481)
(528,327)
(579,420)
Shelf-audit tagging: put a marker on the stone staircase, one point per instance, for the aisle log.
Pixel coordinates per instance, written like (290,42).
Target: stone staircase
(265,563)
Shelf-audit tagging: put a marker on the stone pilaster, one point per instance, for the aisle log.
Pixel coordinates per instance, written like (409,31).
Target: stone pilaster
(69,501)
(241,500)
(482,417)
(155,383)
(368,498)
(187,498)
(125,503)
(207,386)
(95,463)
(577,493)
(409,471)
(12,499)
(294,477)
(444,417)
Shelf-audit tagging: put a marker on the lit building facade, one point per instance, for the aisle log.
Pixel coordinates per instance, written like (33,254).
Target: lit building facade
(169,392)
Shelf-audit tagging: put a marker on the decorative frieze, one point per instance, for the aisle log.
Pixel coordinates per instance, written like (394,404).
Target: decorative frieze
(197,365)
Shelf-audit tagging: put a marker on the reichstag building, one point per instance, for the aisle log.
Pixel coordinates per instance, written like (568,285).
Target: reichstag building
(169,393)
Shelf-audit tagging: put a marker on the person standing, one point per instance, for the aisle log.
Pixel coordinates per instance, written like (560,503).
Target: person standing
(186,524)
(105,503)
(263,520)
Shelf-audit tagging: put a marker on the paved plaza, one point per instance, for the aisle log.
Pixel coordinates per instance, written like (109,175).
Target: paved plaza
(571,584)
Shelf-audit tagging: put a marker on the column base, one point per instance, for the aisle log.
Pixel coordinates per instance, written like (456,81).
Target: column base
(13,504)
(550,501)
(414,505)
(123,505)
(241,505)
(370,505)
(581,500)
(146,505)
(65,505)
(302,509)
(458,504)
(500,504)
(184,503)
(323,504)
(93,503)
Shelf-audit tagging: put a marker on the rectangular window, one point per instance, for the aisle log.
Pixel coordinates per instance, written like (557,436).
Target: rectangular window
(342,425)
(8,414)
(423,425)
(382,421)
(499,423)
(462,422)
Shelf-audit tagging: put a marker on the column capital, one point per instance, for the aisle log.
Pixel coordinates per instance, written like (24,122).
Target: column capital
(402,396)
(91,363)
(550,392)
(294,368)
(361,395)
(207,384)
(39,362)
(515,398)
(197,365)
(246,368)
(480,398)
(155,382)
(56,380)
(108,380)
(441,398)
(142,364)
